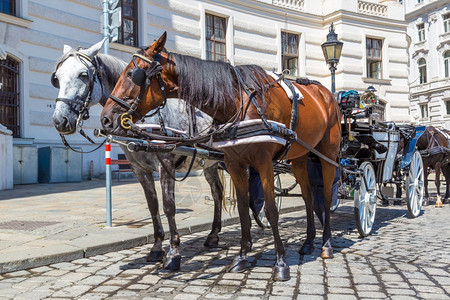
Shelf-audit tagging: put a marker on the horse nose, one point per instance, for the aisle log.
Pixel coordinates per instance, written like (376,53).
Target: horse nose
(106,122)
(61,124)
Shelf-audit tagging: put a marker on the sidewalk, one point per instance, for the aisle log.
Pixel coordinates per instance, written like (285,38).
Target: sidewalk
(42,224)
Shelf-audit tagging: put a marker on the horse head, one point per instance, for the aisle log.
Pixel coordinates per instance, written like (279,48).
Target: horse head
(79,86)
(145,84)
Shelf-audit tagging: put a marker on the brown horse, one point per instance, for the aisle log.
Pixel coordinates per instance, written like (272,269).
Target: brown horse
(433,146)
(220,90)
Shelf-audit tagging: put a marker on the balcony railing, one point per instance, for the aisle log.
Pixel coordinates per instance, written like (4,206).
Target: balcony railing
(374,9)
(291,4)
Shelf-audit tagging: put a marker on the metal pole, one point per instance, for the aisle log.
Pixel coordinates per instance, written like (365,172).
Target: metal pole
(105,32)
(106,25)
(333,85)
(108,185)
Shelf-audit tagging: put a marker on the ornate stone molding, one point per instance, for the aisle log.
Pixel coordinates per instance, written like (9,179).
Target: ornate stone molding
(374,9)
(291,4)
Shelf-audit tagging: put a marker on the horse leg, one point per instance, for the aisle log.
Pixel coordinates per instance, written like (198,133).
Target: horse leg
(446,172)
(148,184)
(239,175)
(172,260)
(328,173)
(427,196)
(299,168)
(438,185)
(212,177)
(281,269)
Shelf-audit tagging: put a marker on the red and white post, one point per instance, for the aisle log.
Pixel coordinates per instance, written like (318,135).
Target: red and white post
(108,185)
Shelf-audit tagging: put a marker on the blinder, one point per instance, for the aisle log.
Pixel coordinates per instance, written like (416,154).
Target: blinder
(138,76)
(54,80)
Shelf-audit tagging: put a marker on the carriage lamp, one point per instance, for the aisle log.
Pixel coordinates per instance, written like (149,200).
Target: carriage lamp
(332,49)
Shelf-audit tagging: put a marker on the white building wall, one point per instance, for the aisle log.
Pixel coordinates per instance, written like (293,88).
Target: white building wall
(437,88)
(253,37)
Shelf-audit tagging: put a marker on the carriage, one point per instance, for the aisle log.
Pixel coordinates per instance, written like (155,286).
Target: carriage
(377,157)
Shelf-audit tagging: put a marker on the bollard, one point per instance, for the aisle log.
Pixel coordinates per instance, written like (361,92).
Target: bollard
(108,185)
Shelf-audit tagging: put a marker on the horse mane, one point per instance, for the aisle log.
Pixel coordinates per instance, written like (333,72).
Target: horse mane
(110,68)
(214,84)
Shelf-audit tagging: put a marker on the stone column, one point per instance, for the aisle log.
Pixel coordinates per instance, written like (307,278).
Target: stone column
(6,158)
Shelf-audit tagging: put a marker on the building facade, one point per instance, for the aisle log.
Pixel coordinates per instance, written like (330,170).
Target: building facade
(429,50)
(275,34)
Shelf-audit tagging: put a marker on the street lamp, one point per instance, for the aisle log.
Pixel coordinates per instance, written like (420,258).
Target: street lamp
(332,49)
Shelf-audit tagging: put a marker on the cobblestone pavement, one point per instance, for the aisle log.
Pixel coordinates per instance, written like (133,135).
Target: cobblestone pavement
(403,259)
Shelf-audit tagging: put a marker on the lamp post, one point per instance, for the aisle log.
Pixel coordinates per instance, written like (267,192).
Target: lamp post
(332,49)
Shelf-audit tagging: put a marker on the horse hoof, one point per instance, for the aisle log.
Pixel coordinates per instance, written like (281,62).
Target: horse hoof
(425,202)
(327,252)
(172,263)
(211,241)
(239,264)
(155,256)
(281,273)
(306,249)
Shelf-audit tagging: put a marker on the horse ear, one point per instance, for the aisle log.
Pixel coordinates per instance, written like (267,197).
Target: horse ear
(66,49)
(158,45)
(93,50)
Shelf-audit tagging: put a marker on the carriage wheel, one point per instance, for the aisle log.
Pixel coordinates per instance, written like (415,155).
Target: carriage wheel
(414,185)
(261,219)
(366,200)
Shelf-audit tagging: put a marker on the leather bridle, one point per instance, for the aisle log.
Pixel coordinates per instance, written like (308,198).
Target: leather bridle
(142,78)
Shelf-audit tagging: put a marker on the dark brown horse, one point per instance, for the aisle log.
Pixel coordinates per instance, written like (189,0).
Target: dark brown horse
(217,88)
(433,146)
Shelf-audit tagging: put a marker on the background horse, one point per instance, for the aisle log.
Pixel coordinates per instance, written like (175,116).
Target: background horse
(433,146)
(217,88)
(84,74)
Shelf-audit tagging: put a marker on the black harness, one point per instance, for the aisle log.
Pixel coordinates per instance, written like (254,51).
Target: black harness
(143,78)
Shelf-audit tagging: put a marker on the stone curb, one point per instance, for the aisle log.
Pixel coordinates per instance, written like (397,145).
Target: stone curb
(64,253)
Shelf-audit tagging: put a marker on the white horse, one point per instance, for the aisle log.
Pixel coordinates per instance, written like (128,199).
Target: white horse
(84,78)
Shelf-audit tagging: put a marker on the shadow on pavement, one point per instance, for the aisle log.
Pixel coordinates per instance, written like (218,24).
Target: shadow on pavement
(39,189)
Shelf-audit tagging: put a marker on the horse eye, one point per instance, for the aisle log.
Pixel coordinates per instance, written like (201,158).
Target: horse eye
(84,75)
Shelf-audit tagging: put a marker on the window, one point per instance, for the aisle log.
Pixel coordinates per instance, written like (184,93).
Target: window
(8,7)
(9,95)
(215,38)
(421,32)
(447,64)
(128,31)
(422,70)
(424,110)
(289,52)
(373,48)
(447,107)
(446,22)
